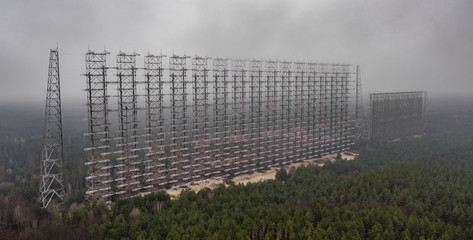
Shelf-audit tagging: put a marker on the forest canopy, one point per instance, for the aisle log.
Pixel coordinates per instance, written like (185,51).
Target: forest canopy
(416,188)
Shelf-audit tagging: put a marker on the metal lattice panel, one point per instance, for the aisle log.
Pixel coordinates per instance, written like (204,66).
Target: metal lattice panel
(286,144)
(99,177)
(312,143)
(155,132)
(253,143)
(225,118)
(126,165)
(201,157)
(239,128)
(271,132)
(395,115)
(221,117)
(360,122)
(179,171)
(298,130)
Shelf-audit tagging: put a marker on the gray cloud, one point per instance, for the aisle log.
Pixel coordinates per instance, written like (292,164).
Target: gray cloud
(400,45)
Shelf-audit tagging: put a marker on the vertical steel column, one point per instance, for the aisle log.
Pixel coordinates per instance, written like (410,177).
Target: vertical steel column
(305,110)
(287,116)
(127,165)
(348,130)
(298,104)
(322,115)
(281,93)
(254,142)
(262,123)
(359,114)
(339,108)
(271,153)
(155,166)
(52,180)
(201,163)
(334,107)
(179,158)
(239,153)
(312,103)
(99,178)
(221,123)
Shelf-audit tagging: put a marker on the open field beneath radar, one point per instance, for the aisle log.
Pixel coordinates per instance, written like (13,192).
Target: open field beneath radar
(260,176)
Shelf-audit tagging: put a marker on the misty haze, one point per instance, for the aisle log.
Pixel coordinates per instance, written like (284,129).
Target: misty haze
(243,119)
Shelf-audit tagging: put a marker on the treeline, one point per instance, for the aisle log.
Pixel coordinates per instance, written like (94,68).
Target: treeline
(419,188)
(20,155)
(413,200)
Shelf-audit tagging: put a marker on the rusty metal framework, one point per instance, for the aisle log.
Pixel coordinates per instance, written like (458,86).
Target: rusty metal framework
(210,118)
(200,156)
(239,136)
(361,121)
(52,180)
(271,130)
(396,114)
(221,135)
(256,159)
(179,169)
(127,172)
(286,113)
(99,178)
(155,167)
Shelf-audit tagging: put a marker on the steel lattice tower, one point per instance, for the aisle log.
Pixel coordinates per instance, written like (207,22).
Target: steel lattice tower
(324,94)
(331,112)
(286,112)
(52,180)
(312,109)
(127,166)
(178,169)
(201,155)
(221,118)
(239,153)
(261,123)
(347,130)
(299,110)
(254,141)
(280,118)
(361,130)
(271,113)
(99,176)
(155,145)
(305,134)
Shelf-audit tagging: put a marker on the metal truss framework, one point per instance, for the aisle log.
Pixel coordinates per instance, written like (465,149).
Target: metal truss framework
(127,172)
(396,114)
(210,118)
(99,176)
(52,180)
(155,166)
(362,131)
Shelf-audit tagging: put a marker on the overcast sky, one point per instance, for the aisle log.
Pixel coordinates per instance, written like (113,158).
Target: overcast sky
(400,45)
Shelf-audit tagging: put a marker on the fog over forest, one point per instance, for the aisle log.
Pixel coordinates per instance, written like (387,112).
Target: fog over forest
(400,45)
(325,176)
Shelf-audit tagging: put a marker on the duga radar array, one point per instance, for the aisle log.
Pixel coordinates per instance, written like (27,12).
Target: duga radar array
(180,120)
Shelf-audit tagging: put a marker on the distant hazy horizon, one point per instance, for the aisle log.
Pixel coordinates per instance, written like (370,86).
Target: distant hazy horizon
(400,45)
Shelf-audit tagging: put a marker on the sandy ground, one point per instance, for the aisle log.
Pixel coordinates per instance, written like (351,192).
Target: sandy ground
(210,183)
(260,176)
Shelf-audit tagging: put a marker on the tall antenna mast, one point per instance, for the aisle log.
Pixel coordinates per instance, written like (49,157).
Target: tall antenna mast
(52,183)
(359,113)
